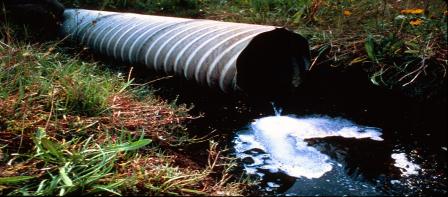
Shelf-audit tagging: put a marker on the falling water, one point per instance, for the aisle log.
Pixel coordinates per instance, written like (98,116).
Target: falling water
(277,110)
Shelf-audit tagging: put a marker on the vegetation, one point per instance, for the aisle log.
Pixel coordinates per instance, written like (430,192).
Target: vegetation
(399,44)
(70,125)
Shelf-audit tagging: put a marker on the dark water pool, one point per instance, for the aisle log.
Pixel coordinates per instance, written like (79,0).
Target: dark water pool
(320,155)
(413,131)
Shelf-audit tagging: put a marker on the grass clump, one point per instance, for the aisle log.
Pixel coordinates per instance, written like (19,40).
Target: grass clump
(399,44)
(74,165)
(60,83)
(191,8)
(69,126)
(153,176)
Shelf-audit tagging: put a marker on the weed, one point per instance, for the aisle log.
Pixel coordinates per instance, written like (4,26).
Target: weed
(65,84)
(76,165)
(190,8)
(400,44)
(69,126)
(151,178)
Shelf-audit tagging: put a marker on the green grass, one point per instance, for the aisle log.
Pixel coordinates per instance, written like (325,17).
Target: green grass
(70,126)
(393,50)
(66,84)
(76,165)
(190,8)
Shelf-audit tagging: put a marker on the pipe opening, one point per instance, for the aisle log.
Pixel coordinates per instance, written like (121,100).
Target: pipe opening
(273,64)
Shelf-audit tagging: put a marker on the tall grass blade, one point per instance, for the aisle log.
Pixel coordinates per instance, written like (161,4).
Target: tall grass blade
(126,85)
(370,48)
(53,148)
(98,188)
(67,181)
(133,145)
(14,179)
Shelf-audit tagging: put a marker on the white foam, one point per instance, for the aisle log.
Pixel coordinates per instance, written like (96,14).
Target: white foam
(407,168)
(283,139)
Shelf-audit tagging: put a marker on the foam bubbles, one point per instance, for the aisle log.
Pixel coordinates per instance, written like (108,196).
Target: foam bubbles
(277,143)
(406,167)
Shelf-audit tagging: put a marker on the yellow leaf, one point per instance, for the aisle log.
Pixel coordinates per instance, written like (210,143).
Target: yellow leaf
(347,13)
(412,11)
(357,60)
(416,22)
(417,11)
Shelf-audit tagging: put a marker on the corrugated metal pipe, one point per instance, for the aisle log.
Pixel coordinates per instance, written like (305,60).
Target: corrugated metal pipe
(230,56)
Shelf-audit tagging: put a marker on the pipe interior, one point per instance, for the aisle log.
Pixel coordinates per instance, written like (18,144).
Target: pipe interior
(273,63)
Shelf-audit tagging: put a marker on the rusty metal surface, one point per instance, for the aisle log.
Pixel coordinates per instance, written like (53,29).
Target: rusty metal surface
(201,50)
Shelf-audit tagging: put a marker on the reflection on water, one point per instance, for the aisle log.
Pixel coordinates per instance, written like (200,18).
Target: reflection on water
(281,145)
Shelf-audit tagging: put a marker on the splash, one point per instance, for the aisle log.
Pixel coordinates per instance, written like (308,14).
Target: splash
(277,110)
(277,143)
(406,167)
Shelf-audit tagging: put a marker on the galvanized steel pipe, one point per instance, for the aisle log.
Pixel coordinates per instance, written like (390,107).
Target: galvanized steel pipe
(232,56)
